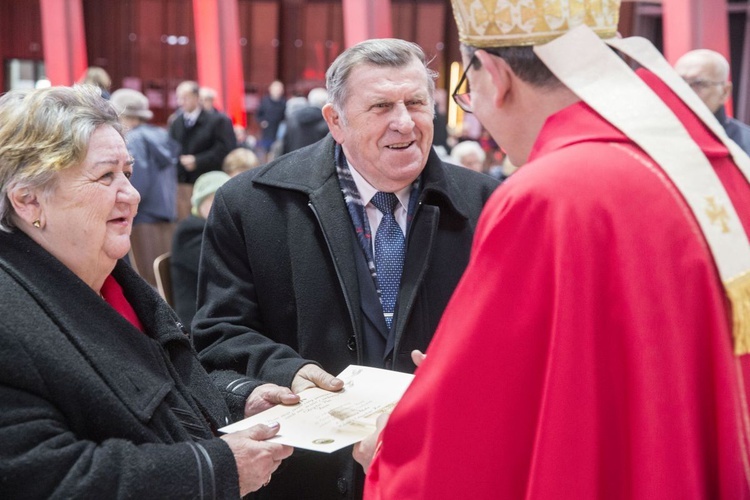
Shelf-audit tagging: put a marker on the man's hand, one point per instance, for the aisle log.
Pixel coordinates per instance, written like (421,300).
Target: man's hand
(256,459)
(266,396)
(418,357)
(188,161)
(313,376)
(364,451)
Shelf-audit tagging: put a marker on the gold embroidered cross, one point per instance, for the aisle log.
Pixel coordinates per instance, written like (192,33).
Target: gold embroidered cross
(717,214)
(484,16)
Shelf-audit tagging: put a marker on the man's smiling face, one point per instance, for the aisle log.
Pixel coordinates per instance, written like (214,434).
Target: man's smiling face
(385,127)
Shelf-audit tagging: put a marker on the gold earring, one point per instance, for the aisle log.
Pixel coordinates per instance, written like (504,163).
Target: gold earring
(37,223)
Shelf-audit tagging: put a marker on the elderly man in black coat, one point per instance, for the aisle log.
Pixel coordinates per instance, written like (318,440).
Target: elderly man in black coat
(205,139)
(289,270)
(707,73)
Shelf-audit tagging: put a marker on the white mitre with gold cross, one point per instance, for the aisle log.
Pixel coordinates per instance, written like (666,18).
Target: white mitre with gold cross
(595,74)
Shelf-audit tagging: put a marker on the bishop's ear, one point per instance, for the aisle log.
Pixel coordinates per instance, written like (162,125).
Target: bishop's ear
(497,73)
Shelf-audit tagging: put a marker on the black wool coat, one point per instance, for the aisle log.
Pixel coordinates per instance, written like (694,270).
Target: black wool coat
(279,284)
(91,407)
(210,140)
(184,262)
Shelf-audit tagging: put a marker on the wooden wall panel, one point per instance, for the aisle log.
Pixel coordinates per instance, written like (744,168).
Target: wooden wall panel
(320,43)
(20,33)
(290,40)
(179,58)
(404,20)
(259,29)
(428,24)
(335,38)
(432,40)
(105,29)
(148,45)
(21,29)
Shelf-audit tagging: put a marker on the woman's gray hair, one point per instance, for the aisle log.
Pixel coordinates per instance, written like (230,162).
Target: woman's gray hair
(465,148)
(44,131)
(389,52)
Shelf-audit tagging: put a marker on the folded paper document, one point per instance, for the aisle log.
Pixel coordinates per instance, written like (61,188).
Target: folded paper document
(328,421)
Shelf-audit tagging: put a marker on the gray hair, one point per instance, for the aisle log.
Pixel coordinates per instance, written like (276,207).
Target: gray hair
(293,105)
(206,93)
(188,86)
(465,148)
(709,60)
(44,131)
(317,97)
(389,52)
(98,77)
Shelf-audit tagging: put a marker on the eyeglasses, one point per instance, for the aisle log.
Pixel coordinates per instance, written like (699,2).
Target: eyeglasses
(463,100)
(700,84)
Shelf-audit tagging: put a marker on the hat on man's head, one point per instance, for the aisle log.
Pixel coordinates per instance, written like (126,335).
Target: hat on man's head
(132,103)
(206,185)
(506,23)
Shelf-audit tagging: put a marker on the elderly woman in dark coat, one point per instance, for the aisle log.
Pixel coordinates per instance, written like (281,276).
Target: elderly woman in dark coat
(101,394)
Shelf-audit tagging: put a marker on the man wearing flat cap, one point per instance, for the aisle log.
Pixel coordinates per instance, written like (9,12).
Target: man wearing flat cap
(616,367)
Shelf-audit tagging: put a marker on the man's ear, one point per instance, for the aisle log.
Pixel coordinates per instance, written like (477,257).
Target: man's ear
(25,204)
(499,73)
(333,119)
(727,92)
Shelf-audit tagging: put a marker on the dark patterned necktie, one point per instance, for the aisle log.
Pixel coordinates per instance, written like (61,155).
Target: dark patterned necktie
(390,249)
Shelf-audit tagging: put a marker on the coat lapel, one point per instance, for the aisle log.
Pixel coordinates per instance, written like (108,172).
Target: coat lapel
(328,204)
(416,264)
(107,340)
(315,175)
(370,302)
(435,202)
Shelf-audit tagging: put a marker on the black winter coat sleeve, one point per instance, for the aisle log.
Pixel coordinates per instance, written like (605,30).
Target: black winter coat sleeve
(228,324)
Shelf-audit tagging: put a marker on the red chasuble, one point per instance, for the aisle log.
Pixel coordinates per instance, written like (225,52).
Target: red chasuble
(587,351)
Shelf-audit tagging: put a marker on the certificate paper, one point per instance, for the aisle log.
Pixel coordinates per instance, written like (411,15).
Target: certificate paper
(328,421)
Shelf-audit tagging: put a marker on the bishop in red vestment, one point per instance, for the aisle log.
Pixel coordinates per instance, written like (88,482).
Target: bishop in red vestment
(587,352)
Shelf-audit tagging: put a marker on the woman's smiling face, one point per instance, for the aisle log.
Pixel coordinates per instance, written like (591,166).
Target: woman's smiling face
(89,214)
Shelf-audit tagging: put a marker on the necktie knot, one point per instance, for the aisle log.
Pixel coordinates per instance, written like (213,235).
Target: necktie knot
(385,202)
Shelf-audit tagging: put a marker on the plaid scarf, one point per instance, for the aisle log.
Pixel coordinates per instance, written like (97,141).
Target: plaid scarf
(357,210)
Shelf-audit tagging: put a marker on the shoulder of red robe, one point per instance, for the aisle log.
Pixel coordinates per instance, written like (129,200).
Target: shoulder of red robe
(641,115)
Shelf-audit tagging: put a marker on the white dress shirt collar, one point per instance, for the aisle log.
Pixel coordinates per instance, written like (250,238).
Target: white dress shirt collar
(367,191)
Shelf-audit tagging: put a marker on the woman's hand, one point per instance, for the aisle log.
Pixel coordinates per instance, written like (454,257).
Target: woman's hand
(256,459)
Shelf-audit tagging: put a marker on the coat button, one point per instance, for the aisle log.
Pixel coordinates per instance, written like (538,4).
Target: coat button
(341,484)
(352,343)
(389,363)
